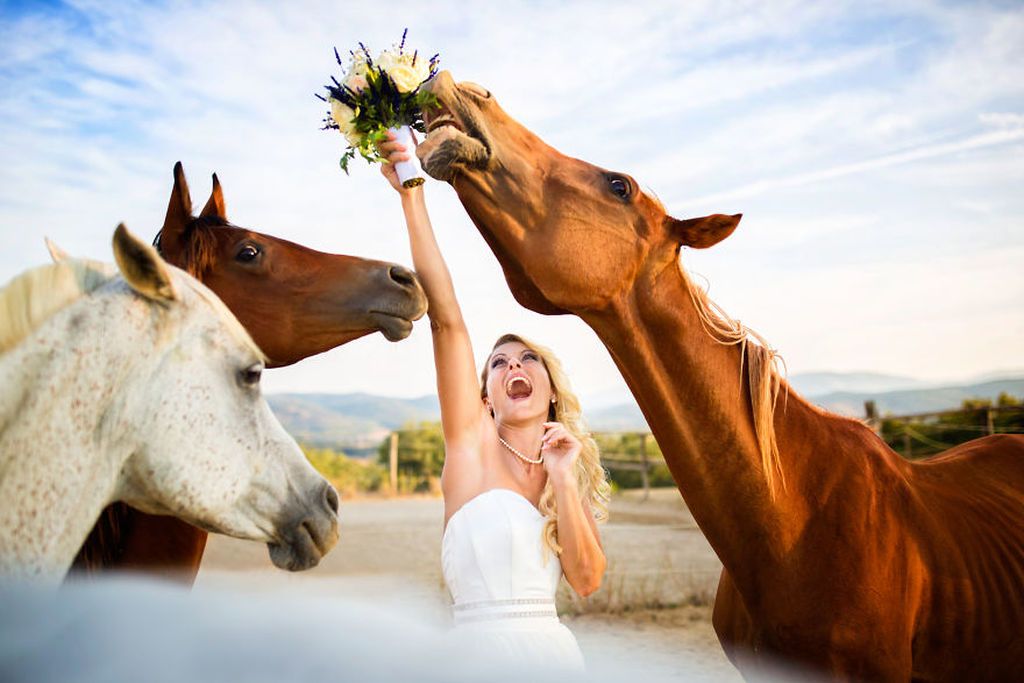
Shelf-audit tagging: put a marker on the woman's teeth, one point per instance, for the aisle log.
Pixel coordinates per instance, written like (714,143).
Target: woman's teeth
(518,387)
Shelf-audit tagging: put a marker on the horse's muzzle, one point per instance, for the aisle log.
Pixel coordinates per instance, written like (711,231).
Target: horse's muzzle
(307,537)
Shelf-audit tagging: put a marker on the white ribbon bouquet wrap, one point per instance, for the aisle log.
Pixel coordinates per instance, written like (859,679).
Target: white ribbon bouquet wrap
(378,95)
(410,173)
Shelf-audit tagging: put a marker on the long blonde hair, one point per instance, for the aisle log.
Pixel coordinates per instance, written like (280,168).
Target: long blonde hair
(591,477)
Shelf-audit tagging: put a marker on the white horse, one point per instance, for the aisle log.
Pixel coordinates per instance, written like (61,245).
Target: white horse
(144,389)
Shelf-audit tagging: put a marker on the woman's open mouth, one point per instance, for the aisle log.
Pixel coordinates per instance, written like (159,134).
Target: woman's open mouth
(518,387)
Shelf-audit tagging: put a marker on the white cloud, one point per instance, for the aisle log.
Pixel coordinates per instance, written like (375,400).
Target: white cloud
(831,127)
(999,137)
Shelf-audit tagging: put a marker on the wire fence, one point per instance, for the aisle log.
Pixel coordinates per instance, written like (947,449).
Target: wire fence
(634,459)
(919,435)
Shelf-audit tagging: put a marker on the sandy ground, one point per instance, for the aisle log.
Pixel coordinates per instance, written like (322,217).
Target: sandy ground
(389,554)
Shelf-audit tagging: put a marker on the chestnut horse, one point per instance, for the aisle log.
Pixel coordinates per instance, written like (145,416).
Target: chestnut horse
(295,302)
(838,554)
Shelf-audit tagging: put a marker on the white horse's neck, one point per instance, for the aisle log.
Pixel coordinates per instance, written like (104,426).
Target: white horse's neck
(63,438)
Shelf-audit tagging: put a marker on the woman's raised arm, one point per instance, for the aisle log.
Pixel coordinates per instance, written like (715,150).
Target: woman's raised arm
(458,389)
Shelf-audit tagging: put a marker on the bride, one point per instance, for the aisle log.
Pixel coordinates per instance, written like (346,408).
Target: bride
(522,481)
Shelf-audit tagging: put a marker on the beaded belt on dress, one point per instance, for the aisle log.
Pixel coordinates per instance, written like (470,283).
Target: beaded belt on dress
(512,608)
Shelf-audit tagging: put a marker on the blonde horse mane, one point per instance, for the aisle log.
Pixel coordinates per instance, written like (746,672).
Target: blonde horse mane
(762,375)
(32,297)
(35,295)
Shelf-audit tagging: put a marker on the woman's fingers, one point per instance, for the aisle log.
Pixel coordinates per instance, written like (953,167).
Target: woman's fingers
(391,146)
(555,434)
(558,440)
(393,151)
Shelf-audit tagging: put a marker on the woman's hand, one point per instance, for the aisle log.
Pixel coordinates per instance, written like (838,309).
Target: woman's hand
(560,450)
(394,151)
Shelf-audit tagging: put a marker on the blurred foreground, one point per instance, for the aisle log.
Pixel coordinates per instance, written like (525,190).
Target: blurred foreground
(374,610)
(653,608)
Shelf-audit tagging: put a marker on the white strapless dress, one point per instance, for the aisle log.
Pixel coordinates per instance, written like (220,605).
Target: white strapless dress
(502,588)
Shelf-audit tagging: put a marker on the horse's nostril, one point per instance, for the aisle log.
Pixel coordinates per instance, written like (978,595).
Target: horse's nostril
(331,498)
(403,276)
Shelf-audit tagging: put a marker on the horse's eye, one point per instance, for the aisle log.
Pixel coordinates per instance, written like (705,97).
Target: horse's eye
(247,254)
(620,187)
(250,376)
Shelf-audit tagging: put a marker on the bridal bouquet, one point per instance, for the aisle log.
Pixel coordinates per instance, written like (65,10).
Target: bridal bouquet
(377,95)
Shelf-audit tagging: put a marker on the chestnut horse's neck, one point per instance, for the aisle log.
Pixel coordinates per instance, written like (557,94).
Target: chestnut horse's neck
(696,395)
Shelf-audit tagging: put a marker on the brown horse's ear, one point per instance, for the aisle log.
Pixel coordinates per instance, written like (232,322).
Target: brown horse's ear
(142,267)
(179,215)
(701,233)
(215,205)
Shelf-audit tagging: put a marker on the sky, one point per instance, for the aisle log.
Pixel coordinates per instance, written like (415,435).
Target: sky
(876,151)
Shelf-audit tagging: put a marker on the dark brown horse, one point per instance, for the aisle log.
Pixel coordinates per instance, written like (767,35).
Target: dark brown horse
(838,554)
(294,301)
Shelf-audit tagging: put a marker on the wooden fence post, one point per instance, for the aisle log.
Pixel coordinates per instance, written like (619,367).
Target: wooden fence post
(990,426)
(643,472)
(907,452)
(393,462)
(871,415)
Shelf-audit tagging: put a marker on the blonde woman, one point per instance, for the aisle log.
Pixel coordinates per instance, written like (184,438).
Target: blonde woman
(523,485)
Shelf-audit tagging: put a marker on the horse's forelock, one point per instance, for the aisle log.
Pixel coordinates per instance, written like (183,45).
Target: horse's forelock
(199,255)
(199,251)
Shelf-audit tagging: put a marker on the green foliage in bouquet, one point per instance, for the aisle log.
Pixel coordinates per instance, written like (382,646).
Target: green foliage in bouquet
(375,95)
(379,107)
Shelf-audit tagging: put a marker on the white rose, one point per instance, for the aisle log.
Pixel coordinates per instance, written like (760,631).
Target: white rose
(404,77)
(343,115)
(407,77)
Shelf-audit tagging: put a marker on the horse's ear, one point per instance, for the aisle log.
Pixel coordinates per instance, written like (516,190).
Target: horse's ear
(142,267)
(56,253)
(701,233)
(179,215)
(215,205)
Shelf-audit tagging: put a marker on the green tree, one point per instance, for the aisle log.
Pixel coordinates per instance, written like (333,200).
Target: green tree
(346,474)
(420,456)
(630,446)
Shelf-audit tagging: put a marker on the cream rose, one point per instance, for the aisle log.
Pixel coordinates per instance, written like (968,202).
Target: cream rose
(342,114)
(400,68)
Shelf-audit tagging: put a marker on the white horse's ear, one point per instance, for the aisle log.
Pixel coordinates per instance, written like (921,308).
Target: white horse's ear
(142,267)
(56,253)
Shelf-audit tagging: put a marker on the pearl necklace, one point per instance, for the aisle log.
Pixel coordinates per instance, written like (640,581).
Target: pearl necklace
(519,455)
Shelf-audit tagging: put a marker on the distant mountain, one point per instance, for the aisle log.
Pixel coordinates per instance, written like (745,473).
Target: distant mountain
(349,420)
(617,411)
(991,376)
(358,422)
(627,416)
(624,417)
(917,400)
(818,383)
